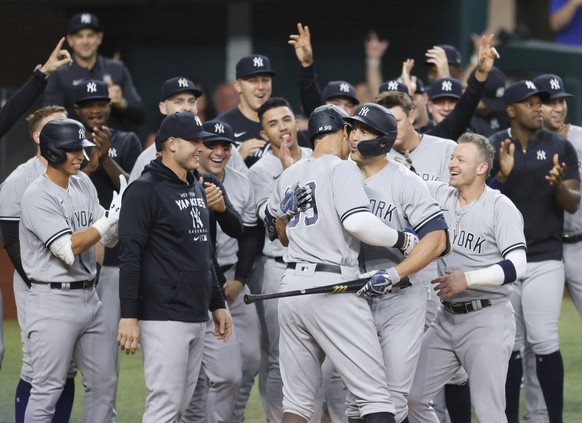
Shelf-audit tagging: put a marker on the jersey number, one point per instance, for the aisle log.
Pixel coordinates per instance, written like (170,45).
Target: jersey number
(307,220)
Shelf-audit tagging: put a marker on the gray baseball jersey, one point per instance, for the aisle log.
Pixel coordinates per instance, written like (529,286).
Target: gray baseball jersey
(146,156)
(14,186)
(430,158)
(337,190)
(49,212)
(242,197)
(573,222)
(263,176)
(483,232)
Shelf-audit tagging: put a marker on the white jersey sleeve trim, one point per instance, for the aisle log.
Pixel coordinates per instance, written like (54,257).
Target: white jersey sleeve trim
(10,218)
(513,247)
(436,215)
(59,234)
(369,229)
(353,211)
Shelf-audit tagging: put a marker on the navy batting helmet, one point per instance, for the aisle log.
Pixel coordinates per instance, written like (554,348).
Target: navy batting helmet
(60,135)
(380,120)
(326,118)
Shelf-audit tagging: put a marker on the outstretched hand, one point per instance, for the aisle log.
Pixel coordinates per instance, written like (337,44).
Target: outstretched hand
(302,44)
(58,58)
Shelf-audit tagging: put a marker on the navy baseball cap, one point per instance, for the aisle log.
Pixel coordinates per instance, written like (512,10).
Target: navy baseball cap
(91,90)
(393,85)
(221,131)
(83,20)
(177,85)
(453,55)
(183,125)
(553,85)
(420,88)
(340,89)
(494,90)
(445,87)
(522,90)
(253,65)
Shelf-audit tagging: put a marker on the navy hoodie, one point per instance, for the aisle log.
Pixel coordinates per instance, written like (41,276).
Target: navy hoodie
(166,264)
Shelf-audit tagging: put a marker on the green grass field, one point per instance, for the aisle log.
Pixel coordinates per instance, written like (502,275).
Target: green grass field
(132,392)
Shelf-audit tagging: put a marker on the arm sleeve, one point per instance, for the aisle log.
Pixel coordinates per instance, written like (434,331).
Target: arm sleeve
(12,246)
(507,271)
(457,122)
(247,246)
(20,101)
(309,90)
(217,298)
(371,230)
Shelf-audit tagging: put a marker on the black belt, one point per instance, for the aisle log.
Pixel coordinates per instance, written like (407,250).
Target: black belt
(404,283)
(278,259)
(71,285)
(226,268)
(319,267)
(467,306)
(571,239)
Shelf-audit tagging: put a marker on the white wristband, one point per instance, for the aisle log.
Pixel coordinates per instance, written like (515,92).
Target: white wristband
(102,225)
(492,276)
(393,275)
(373,62)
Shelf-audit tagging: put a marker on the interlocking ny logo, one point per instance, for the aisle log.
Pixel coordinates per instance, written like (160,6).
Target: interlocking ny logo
(258,62)
(344,88)
(91,87)
(530,85)
(554,84)
(393,86)
(81,133)
(541,155)
(500,91)
(197,119)
(183,83)
(447,86)
(364,111)
(219,128)
(86,18)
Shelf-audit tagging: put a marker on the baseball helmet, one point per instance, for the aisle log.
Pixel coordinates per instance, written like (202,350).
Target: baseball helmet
(60,135)
(326,118)
(380,120)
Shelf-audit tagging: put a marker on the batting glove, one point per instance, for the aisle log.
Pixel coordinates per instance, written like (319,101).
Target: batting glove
(297,199)
(410,241)
(379,284)
(115,206)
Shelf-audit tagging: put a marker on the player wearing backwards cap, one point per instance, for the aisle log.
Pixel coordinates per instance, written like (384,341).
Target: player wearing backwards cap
(475,326)
(178,94)
(340,93)
(167,277)
(538,171)
(253,83)
(235,258)
(84,36)
(323,249)
(400,199)
(61,222)
(11,192)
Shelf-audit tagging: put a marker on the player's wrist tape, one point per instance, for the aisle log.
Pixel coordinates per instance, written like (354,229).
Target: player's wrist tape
(401,241)
(102,225)
(373,62)
(499,274)
(393,275)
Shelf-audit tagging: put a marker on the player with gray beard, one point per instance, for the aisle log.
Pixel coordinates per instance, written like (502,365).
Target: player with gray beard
(323,249)
(61,222)
(475,327)
(400,199)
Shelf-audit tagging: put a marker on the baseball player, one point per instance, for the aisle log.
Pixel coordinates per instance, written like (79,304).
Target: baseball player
(474,326)
(253,83)
(442,61)
(323,249)
(84,36)
(178,94)
(542,192)
(11,192)
(400,199)
(60,223)
(167,278)
(280,130)
(113,156)
(235,258)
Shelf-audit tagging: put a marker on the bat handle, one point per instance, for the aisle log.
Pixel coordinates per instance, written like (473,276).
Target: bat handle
(249,299)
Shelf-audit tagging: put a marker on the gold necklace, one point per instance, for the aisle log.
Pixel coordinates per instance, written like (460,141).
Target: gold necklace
(459,214)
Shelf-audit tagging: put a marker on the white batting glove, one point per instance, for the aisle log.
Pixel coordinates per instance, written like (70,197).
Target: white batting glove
(113,213)
(410,241)
(379,284)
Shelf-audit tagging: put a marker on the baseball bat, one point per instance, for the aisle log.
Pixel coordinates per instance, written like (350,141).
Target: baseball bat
(336,288)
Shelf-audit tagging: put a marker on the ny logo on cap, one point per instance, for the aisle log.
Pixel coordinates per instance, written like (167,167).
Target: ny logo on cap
(258,62)
(81,133)
(197,119)
(530,85)
(183,83)
(344,88)
(554,84)
(499,93)
(219,128)
(86,18)
(91,87)
(364,111)
(392,86)
(447,86)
